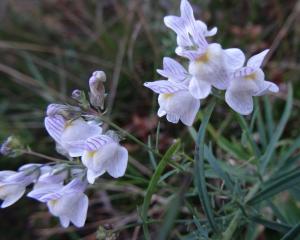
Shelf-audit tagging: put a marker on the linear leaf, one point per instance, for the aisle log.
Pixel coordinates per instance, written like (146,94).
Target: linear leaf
(247,131)
(153,183)
(292,234)
(173,209)
(282,184)
(217,168)
(279,130)
(199,174)
(279,227)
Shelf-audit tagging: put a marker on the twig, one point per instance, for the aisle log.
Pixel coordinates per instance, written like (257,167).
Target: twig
(283,31)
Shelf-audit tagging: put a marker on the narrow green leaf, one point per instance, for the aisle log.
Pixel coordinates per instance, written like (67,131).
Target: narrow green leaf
(260,125)
(279,227)
(282,184)
(287,154)
(217,168)
(292,234)
(199,174)
(248,134)
(151,155)
(278,132)
(269,116)
(174,208)
(153,183)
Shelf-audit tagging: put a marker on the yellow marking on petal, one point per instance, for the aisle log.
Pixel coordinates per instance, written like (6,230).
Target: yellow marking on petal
(204,58)
(68,124)
(91,154)
(167,95)
(53,202)
(251,76)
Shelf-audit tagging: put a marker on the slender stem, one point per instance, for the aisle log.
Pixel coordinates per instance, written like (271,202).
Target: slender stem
(40,155)
(130,136)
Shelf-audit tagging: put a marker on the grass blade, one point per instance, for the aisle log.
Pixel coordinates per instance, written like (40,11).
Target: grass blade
(173,210)
(199,174)
(282,184)
(279,227)
(153,183)
(217,168)
(292,234)
(277,134)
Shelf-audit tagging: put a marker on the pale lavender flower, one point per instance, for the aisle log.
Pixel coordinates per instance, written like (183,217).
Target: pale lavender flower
(68,203)
(210,64)
(104,154)
(13,184)
(247,82)
(175,100)
(187,25)
(72,134)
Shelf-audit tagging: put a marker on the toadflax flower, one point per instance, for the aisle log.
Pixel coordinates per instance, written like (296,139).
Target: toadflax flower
(13,184)
(68,202)
(175,100)
(210,64)
(104,154)
(246,82)
(71,134)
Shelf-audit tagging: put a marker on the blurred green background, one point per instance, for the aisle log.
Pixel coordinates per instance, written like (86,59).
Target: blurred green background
(50,47)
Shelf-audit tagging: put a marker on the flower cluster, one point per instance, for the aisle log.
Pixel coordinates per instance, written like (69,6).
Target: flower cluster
(210,66)
(78,134)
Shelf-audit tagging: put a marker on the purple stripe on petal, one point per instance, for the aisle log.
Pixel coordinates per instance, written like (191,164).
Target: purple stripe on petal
(55,126)
(95,143)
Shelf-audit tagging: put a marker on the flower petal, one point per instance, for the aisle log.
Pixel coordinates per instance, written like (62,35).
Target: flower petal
(96,142)
(55,126)
(211,32)
(173,117)
(64,221)
(164,86)
(177,25)
(240,102)
(12,193)
(199,89)
(242,72)
(257,60)
(190,112)
(45,192)
(267,87)
(173,70)
(76,133)
(79,213)
(234,58)
(161,112)
(117,166)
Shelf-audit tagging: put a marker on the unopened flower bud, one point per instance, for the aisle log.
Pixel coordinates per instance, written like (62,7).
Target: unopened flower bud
(97,90)
(66,111)
(80,97)
(11,146)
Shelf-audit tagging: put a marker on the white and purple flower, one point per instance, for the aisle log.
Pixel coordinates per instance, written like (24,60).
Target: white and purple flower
(247,82)
(13,184)
(71,134)
(210,65)
(68,203)
(104,154)
(175,100)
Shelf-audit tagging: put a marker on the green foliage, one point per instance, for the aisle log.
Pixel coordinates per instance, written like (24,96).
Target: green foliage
(245,169)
